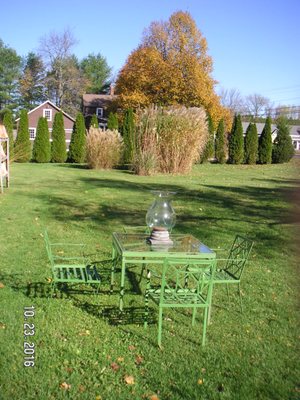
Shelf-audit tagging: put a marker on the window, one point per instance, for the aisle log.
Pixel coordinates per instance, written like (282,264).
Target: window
(47,113)
(32,133)
(99,112)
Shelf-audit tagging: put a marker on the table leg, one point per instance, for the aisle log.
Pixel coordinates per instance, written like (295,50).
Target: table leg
(113,267)
(122,289)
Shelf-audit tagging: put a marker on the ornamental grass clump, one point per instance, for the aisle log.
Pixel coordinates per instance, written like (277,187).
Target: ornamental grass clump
(103,148)
(169,140)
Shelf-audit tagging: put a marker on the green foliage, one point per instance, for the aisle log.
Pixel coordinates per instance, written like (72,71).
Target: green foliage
(31,84)
(209,148)
(265,143)
(97,72)
(112,122)
(236,142)
(94,122)
(251,144)
(22,144)
(283,149)
(128,132)
(9,125)
(10,65)
(41,152)
(78,141)
(58,145)
(220,144)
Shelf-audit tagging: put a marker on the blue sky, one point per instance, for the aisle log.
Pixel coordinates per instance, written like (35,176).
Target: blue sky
(254,44)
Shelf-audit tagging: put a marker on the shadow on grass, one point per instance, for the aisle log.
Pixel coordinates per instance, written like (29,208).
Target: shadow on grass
(210,210)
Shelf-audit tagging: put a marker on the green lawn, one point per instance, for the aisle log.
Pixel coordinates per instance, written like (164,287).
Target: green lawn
(85,350)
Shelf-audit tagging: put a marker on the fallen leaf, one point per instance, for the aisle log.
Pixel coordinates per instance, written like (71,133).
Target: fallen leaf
(69,369)
(98,397)
(120,359)
(81,388)
(153,397)
(114,366)
(65,386)
(200,381)
(131,347)
(1,285)
(138,359)
(85,333)
(2,326)
(129,379)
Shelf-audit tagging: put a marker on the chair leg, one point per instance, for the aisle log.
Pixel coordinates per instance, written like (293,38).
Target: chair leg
(205,319)
(112,271)
(159,326)
(146,309)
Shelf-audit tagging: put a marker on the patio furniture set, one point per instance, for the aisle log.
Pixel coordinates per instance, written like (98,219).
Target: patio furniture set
(181,271)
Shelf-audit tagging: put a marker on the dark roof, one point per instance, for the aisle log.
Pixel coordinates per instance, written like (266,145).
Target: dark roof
(97,100)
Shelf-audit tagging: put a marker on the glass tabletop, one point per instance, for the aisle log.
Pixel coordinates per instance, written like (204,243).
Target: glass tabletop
(182,244)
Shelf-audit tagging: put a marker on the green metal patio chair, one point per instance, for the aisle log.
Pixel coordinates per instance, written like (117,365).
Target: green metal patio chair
(70,265)
(181,286)
(230,269)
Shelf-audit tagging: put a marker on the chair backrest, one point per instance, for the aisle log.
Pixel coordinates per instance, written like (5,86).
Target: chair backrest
(238,256)
(181,280)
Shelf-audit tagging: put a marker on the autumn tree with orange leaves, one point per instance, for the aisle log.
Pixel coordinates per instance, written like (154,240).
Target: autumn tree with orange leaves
(171,66)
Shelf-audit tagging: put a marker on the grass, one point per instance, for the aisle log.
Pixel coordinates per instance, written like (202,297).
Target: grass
(85,350)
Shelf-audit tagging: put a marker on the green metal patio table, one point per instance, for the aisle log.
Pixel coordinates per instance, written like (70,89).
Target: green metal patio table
(134,249)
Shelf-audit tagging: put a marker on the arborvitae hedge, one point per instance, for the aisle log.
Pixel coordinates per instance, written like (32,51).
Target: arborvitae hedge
(265,144)
(209,148)
(23,144)
(220,144)
(9,125)
(283,149)
(236,142)
(112,122)
(78,141)
(58,146)
(251,144)
(41,152)
(94,122)
(128,132)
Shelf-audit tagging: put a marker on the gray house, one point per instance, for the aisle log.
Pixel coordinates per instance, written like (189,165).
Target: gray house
(294,132)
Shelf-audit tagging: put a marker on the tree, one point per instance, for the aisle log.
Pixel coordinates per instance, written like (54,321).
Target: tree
(236,142)
(64,80)
(22,144)
(31,83)
(251,144)
(9,125)
(255,104)
(265,143)
(283,149)
(97,72)
(128,131)
(78,141)
(10,64)
(232,100)
(94,122)
(58,146)
(220,144)
(112,122)
(171,66)
(41,151)
(209,148)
